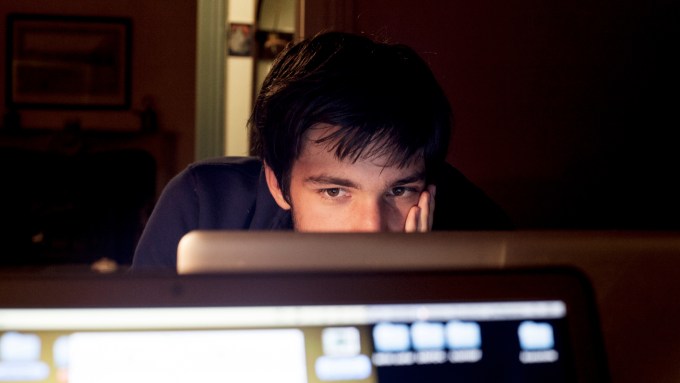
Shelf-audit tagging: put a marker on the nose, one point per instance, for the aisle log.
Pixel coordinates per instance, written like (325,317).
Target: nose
(370,217)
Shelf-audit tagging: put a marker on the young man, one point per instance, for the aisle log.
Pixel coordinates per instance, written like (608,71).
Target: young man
(351,135)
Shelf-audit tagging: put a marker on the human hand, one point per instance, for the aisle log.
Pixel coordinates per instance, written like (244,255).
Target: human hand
(419,219)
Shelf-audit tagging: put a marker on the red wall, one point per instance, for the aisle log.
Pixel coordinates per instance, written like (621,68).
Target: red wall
(163,66)
(564,110)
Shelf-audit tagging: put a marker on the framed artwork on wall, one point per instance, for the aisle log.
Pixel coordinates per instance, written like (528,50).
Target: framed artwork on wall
(68,62)
(240,39)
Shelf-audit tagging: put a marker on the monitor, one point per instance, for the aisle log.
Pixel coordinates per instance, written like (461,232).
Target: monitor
(330,326)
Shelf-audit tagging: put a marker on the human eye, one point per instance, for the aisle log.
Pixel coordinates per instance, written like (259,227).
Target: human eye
(402,191)
(332,193)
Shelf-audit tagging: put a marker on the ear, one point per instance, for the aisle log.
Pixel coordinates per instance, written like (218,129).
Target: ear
(274,188)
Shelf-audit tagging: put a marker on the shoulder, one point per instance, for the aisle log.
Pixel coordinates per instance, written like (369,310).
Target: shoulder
(222,183)
(220,193)
(232,167)
(221,175)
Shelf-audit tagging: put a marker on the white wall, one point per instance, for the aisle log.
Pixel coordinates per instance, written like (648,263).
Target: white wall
(238,84)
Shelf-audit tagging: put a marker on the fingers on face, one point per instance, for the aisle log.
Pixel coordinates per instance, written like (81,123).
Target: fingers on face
(412,220)
(421,216)
(424,217)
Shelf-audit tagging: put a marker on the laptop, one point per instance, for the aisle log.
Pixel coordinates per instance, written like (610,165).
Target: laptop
(224,251)
(634,273)
(299,327)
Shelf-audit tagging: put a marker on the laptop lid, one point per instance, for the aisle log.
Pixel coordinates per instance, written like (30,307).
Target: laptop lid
(634,273)
(415,326)
(225,251)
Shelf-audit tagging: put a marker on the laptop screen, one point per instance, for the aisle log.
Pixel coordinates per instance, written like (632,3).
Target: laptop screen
(363,327)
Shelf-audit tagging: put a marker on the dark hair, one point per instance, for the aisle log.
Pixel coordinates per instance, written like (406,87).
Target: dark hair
(383,97)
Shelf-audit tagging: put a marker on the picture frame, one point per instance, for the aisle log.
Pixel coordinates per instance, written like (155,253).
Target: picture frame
(240,39)
(68,62)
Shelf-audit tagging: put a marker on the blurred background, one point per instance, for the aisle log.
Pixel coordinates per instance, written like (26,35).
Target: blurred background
(565,112)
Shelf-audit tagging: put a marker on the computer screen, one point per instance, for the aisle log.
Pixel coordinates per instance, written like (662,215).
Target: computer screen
(405,330)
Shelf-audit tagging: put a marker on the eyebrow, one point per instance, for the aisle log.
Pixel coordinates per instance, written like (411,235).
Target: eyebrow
(415,177)
(331,180)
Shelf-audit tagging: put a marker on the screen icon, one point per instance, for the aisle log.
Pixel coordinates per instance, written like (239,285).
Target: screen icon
(341,341)
(535,336)
(463,335)
(391,337)
(427,336)
(20,358)
(331,368)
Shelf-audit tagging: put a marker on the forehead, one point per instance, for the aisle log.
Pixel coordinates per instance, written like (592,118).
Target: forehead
(319,159)
(321,141)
